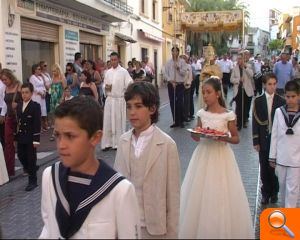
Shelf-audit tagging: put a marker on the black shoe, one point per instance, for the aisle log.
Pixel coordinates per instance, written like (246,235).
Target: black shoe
(106,149)
(30,187)
(239,128)
(181,125)
(274,199)
(187,119)
(192,117)
(264,200)
(174,125)
(245,125)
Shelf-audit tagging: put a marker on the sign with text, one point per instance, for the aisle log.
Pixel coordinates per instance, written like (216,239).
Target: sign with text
(11,40)
(71,44)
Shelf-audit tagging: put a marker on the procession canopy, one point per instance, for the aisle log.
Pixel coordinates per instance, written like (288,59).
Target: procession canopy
(214,21)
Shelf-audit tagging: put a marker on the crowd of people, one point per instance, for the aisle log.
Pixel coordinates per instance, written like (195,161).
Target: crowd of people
(142,195)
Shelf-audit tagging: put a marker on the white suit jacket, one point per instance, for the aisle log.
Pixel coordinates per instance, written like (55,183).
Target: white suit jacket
(285,149)
(115,216)
(247,79)
(161,188)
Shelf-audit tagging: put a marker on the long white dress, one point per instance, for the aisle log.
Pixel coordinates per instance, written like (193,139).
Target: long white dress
(39,86)
(3,171)
(114,119)
(213,199)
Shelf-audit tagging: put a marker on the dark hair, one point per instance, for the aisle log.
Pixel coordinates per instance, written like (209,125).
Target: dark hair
(173,48)
(292,86)
(92,63)
(28,85)
(216,85)
(148,93)
(34,67)
(114,54)
(69,64)
(77,56)
(269,76)
(92,119)
(84,61)
(88,76)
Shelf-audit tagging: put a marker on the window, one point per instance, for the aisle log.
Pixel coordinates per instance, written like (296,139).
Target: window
(143,6)
(170,17)
(33,52)
(154,10)
(144,53)
(90,51)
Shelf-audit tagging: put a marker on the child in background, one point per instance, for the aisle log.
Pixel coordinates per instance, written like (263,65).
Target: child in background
(264,107)
(285,147)
(212,193)
(148,157)
(27,134)
(66,94)
(82,197)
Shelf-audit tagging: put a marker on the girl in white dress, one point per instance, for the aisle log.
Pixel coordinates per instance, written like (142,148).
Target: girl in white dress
(213,199)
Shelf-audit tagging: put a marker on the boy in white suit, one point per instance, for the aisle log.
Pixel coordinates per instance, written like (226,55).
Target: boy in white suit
(285,147)
(149,159)
(82,197)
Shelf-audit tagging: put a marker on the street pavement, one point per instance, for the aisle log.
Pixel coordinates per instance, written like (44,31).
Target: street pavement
(20,215)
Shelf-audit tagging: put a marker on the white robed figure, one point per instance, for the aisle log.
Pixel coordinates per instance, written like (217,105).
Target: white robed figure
(116,82)
(3,171)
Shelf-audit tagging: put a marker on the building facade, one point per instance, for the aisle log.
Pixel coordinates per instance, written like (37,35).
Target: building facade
(53,30)
(257,41)
(173,33)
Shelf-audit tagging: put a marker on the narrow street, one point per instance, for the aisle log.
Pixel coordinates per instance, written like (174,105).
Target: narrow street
(22,209)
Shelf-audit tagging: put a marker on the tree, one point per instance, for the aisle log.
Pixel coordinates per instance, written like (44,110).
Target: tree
(276,45)
(218,39)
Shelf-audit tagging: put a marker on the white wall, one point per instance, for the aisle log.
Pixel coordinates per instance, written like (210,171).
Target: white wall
(10,39)
(131,27)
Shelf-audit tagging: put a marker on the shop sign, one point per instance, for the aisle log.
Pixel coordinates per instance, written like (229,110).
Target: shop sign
(71,35)
(67,16)
(26,4)
(11,40)
(71,45)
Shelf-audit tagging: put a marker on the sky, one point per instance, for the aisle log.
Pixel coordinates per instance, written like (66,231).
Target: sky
(259,10)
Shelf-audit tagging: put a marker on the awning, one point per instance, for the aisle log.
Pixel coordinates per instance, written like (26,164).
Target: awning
(125,38)
(150,36)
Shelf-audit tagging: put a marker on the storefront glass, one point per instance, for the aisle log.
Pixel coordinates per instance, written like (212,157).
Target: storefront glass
(34,52)
(91,52)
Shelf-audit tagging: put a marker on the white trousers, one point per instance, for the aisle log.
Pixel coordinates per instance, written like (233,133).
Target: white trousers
(289,185)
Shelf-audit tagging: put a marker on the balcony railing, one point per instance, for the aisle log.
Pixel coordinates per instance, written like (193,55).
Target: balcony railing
(122,6)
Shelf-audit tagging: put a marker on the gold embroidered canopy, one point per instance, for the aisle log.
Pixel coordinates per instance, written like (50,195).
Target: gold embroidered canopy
(214,21)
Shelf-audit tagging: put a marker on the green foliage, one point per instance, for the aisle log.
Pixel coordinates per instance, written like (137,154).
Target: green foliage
(276,44)
(218,39)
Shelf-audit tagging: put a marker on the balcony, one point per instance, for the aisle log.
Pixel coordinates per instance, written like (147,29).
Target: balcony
(120,5)
(178,29)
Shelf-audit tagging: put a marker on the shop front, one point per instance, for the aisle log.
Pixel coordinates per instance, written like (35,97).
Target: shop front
(47,30)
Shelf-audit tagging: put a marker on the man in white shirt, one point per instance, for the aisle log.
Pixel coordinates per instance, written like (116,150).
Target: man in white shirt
(258,63)
(116,81)
(197,66)
(175,70)
(226,66)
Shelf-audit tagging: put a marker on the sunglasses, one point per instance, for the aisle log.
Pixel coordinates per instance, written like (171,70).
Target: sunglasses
(68,69)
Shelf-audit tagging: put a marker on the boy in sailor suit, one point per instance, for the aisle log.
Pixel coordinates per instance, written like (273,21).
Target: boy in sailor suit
(264,108)
(285,147)
(27,134)
(83,197)
(149,159)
